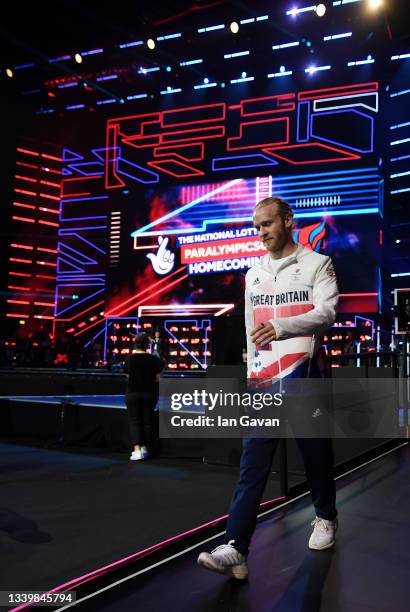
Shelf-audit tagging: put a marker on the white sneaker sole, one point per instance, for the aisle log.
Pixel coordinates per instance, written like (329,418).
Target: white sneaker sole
(240,572)
(322,547)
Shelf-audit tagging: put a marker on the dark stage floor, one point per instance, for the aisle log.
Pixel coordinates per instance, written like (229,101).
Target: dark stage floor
(368,570)
(64,513)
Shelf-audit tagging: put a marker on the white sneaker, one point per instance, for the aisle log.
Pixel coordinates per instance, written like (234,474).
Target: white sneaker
(136,455)
(323,535)
(225,559)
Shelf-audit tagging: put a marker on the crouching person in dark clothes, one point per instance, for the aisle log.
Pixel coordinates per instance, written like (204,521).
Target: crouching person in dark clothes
(141,397)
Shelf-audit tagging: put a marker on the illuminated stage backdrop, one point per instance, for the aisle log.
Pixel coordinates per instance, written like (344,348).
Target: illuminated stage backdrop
(160,220)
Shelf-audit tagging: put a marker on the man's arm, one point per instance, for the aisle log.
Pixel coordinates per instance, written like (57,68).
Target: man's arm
(323,314)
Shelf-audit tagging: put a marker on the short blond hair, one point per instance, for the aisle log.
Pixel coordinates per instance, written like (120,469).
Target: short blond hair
(283,207)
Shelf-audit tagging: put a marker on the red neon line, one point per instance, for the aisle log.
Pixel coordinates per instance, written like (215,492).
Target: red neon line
(20,274)
(43,304)
(161,290)
(28,152)
(49,197)
(357,294)
(111,164)
(52,170)
(161,165)
(31,193)
(49,223)
(19,204)
(20,163)
(76,582)
(83,311)
(47,250)
(170,150)
(87,328)
(46,156)
(276,152)
(117,120)
(338,91)
(45,276)
(75,195)
(50,183)
(23,219)
(18,316)
(50,210)
(221,106)
(28,261)
(159,282)
(46,263)
(18,288)
(25,178)
(282,120)
(22,246)
(18,302)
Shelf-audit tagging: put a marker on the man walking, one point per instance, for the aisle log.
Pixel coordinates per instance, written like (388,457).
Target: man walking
(290,299)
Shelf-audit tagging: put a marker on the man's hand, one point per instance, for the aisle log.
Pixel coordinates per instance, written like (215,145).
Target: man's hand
(263,333)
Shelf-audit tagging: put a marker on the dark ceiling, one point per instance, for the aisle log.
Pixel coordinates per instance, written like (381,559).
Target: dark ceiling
(46,28)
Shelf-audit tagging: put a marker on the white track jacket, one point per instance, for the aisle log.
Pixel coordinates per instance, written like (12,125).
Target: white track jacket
(300,302)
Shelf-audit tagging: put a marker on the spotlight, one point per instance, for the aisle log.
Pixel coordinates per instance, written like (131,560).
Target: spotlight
(168,68)
(282,69)
(320,10)
(78,58)
(234,27)
(243,75)
(206,80)
(9,73)
(375,4)
(151,44)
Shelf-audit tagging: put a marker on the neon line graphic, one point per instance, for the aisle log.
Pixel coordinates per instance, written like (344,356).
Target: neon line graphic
(85,261)
(186,207)
(317,104)
(83,311)
(151,295)
(76,302)
(161,281)
(343,144)
(87,328)
(220,309)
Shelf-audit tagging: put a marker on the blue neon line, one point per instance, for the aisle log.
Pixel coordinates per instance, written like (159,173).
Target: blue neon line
(402,141)
(63,201)
(400,190)
(63,231)
(335,142)
(393,159)
(94,337)
(76,302)
(68,233)
(400,93)
(317,175)
(338,213)
(187,206)
(67,219)
(88,260)
(392,176)
(399,125)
